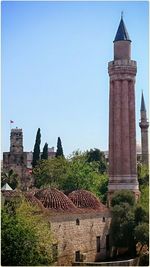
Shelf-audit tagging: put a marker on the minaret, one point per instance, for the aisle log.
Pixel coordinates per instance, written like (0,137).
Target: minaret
(122,134)
(144,133)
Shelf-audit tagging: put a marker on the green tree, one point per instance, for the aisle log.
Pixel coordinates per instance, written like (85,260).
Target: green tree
(143,174)
(45,152)
(59,151)
(11,178)
(141,215)
(122,226)
(103,188)
(123,223)
(99,157)
(123,196)
(80,175)
(51,172)
(85,175)
(71,174)
(141,233)
(18,242)
(26,237)
(36,151)
(144,197)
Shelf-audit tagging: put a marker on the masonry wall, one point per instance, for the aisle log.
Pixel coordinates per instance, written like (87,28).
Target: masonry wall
(82,237)
(18,163)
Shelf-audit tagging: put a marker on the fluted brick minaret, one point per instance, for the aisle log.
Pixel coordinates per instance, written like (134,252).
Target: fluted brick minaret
(144,133)
(122,134)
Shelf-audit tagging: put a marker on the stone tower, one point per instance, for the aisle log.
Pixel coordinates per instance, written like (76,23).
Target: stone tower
(122,134)
(16,141)
(16,158)
(144,133)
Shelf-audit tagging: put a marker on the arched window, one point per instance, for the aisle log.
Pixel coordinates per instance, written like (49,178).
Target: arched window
(103,219)
(77,222)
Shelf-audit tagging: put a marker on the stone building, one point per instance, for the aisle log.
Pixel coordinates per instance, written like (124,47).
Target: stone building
(16,158)
(122,133)
(144,133)
(79,223)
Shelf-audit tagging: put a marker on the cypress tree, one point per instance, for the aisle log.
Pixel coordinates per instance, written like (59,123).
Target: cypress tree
(45,152)
(59,151)
(36,151)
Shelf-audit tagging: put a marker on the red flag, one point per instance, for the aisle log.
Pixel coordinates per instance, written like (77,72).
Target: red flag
(11,121)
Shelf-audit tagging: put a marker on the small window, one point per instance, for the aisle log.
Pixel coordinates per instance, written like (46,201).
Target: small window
(77,256)
(103,219)
(98,246)
(77,222)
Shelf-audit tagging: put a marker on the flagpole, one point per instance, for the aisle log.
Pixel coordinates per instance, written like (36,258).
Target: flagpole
(10,124)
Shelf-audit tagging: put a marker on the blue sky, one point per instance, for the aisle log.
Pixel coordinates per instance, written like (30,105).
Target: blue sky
(54,69)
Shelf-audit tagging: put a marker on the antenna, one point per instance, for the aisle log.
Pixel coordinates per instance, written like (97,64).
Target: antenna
(121,14)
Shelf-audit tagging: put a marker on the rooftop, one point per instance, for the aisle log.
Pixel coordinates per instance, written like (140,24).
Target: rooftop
(122,34)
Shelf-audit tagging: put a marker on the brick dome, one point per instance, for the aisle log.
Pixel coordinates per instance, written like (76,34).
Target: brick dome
(52,198)
(85,199)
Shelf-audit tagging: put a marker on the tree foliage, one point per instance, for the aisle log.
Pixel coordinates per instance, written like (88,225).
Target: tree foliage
(80,175)
(143,174)
(59,151)
(144,197)
(36,151)
(11,178)
(26,237)
(50,172)
(99,157)
(141,233)
(45,152)
(72,174)
(129,221)
(122,225)
(123,196)
(141,215)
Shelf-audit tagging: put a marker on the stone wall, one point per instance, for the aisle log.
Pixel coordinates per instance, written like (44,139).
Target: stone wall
(72,237)
(18,163)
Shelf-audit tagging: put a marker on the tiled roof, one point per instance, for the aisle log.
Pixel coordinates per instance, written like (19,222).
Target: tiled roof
(56,202)
(54,199)
(85,199)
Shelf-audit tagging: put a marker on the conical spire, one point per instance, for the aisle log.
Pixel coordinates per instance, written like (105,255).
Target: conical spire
(143,103)
(122,34)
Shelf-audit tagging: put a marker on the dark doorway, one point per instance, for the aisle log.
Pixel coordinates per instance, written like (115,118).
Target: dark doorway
(98,245)
(77,256)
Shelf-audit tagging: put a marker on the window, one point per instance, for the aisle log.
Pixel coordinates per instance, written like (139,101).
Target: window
(55,251)
(98,247)
(77,255)
(107,242)
(77,222)
(103,219)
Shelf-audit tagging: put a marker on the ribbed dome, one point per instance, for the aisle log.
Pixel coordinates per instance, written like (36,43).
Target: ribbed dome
(52,198)
(33,200)
(85,199)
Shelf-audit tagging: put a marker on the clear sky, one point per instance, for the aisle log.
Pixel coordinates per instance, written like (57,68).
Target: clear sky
(54,69)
